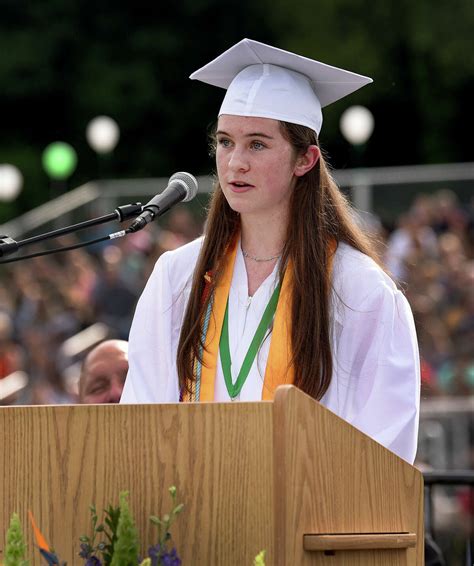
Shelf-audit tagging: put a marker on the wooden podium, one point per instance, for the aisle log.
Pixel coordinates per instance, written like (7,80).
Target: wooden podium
(287,476)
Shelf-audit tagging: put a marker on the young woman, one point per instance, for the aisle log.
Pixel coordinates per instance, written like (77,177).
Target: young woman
(283,287)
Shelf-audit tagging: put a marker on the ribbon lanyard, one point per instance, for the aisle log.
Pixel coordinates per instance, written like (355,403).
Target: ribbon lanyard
(234,388)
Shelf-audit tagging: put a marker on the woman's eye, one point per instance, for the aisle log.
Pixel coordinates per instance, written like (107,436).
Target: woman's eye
(224,142)
(257,145)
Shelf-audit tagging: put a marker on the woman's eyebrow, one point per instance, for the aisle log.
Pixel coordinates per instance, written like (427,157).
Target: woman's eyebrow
(259,135)
(251,135)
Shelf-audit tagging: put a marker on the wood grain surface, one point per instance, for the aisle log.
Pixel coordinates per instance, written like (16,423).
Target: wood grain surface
(332,479)
(252,476)
(56,461)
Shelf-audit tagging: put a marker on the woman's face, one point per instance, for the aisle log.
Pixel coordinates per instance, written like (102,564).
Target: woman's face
(256,165)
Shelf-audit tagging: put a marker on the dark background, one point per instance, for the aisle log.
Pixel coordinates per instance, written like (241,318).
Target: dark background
(63,63)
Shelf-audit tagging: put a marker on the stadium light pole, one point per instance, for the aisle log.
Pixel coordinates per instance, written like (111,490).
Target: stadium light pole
(357,125)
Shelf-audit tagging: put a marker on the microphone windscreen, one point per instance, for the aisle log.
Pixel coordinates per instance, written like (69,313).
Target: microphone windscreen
(190,182)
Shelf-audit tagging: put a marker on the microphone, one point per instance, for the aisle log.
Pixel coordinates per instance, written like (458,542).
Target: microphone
(182,187)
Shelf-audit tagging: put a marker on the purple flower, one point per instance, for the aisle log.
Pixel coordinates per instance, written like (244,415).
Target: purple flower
(154,554)
(170,558)
(161,557)
(85,550)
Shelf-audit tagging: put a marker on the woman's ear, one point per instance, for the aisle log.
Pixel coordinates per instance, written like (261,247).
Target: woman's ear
(306,161)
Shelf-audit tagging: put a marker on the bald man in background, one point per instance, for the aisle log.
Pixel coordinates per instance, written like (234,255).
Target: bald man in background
(103,373)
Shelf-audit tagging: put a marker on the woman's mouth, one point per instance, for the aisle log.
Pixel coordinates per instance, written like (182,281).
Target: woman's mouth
(240,186)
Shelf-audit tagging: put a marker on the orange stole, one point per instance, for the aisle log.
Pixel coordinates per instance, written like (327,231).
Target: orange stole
(278,370)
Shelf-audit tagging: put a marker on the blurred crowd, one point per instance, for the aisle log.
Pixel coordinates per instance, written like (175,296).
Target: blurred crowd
(47,304)
(55,308)
(431,255)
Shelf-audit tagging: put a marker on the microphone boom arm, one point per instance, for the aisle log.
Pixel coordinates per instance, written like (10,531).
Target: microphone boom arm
(9,245)
(182,187)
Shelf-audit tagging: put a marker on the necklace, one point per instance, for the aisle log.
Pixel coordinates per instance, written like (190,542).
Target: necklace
(245,254)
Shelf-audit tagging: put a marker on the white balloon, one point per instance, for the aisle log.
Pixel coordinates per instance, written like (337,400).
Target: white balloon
(11,182)
(357,124)
(103,134)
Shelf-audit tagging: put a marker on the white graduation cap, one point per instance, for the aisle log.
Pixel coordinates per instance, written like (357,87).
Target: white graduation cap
(268,82)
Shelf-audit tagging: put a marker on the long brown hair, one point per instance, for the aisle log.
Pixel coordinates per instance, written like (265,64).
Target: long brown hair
(319,214)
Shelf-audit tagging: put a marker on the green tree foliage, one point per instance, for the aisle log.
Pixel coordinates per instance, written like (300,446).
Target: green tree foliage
(419,56)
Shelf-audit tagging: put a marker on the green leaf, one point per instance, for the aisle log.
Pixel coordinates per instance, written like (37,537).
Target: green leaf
(126,547)
(178,509)
(15,548)
(260,558)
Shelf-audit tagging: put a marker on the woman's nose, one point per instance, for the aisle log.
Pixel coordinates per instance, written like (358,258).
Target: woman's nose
(238,160)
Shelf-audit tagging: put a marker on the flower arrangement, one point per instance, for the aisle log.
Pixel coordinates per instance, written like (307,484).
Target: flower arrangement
(120,545)
(113,542)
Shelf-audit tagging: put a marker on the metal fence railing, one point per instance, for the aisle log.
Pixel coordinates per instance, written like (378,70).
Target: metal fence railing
(371,189)
(464,478)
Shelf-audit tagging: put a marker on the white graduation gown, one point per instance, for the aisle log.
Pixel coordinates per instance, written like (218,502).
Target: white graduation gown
(376,379)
